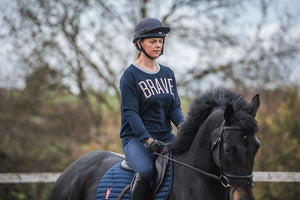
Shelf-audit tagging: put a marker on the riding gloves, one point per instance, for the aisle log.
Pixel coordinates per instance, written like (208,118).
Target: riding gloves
(155,146)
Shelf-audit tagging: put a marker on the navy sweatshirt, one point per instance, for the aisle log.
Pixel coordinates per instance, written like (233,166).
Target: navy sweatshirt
(149,102)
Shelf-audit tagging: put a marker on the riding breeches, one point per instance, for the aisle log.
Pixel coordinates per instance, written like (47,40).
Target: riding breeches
(138,157)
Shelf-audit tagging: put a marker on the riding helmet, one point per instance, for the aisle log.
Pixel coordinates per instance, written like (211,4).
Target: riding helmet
(149,27)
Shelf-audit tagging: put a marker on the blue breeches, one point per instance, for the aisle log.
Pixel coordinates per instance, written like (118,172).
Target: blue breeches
(138,157)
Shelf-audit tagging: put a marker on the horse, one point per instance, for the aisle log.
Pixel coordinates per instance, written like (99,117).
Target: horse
(213,154)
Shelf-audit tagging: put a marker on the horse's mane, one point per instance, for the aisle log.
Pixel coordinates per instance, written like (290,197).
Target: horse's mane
(202,107)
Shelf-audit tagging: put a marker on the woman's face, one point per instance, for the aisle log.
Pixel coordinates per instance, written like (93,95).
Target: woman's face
(153,46)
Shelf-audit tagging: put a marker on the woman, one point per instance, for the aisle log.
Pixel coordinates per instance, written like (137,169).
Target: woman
(149,102)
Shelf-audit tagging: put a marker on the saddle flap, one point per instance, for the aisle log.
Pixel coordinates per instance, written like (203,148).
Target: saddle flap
(160,170)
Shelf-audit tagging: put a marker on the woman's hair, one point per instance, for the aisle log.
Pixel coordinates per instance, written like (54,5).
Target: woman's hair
(138,55)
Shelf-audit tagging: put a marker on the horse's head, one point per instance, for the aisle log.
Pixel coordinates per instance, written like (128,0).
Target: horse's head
(234,146)
(218,139)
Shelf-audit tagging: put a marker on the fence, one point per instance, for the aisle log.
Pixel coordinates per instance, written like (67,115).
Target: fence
(52,177)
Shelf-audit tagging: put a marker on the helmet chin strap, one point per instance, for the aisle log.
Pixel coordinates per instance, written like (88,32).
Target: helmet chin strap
(143,50)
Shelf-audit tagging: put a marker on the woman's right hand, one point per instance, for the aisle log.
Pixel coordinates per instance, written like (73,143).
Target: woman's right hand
(149,140)
(153,145)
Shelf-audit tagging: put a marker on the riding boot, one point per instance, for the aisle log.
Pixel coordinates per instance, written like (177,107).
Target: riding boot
(140,188)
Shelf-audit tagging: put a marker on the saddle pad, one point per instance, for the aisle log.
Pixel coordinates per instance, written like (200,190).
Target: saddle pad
(116,179)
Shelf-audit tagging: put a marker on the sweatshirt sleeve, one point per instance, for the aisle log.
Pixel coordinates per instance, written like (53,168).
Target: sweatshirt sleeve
(130,106)
(176,114)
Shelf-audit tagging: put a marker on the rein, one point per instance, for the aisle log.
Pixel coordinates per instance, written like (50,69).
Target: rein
(189,166)
(223,178)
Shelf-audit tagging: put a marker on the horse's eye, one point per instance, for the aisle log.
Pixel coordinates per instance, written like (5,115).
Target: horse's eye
(245,140)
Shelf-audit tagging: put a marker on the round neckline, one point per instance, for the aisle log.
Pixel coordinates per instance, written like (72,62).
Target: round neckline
(146,70)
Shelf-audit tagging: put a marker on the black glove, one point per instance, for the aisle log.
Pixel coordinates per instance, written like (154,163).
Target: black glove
(155,146)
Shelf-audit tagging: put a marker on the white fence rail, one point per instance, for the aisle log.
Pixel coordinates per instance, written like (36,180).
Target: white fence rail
(28,177)
(52,177)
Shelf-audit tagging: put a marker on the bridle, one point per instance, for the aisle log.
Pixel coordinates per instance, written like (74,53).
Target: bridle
(223,177)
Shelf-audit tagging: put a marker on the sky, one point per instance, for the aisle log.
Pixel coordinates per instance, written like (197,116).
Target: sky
(12,73)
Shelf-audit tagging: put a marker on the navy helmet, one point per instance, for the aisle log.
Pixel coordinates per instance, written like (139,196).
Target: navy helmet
(149,27)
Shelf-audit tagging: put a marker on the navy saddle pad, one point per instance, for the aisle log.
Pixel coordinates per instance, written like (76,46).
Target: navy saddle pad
(116,179)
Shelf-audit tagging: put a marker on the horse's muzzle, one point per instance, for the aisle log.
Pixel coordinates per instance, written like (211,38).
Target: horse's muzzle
(243,193)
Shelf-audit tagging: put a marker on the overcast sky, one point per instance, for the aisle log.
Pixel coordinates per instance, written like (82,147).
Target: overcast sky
(11,72)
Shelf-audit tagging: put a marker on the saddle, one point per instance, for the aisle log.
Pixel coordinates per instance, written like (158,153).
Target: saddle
(118,180)
(159,173)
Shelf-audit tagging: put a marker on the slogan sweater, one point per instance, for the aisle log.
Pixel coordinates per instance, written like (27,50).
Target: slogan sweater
(149,102)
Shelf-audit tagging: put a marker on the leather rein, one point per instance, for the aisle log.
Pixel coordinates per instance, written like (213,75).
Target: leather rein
(223,178)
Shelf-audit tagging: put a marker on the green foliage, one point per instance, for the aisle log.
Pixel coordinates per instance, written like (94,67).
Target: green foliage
(279,124)
(39,138)
(47,139)
(25,191)
(60,129)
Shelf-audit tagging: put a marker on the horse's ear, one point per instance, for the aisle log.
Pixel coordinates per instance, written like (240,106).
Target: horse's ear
(228,113)
(254,105)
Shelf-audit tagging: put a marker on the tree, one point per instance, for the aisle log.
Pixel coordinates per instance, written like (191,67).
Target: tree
(90,41)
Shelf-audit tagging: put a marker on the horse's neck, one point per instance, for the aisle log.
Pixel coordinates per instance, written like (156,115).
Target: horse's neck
(191,184)
(200,153)
(200,150)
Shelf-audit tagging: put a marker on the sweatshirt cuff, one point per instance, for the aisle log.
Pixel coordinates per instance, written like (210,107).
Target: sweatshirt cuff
(145,135)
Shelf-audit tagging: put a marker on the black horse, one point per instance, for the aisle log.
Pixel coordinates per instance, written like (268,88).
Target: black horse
(214,151)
